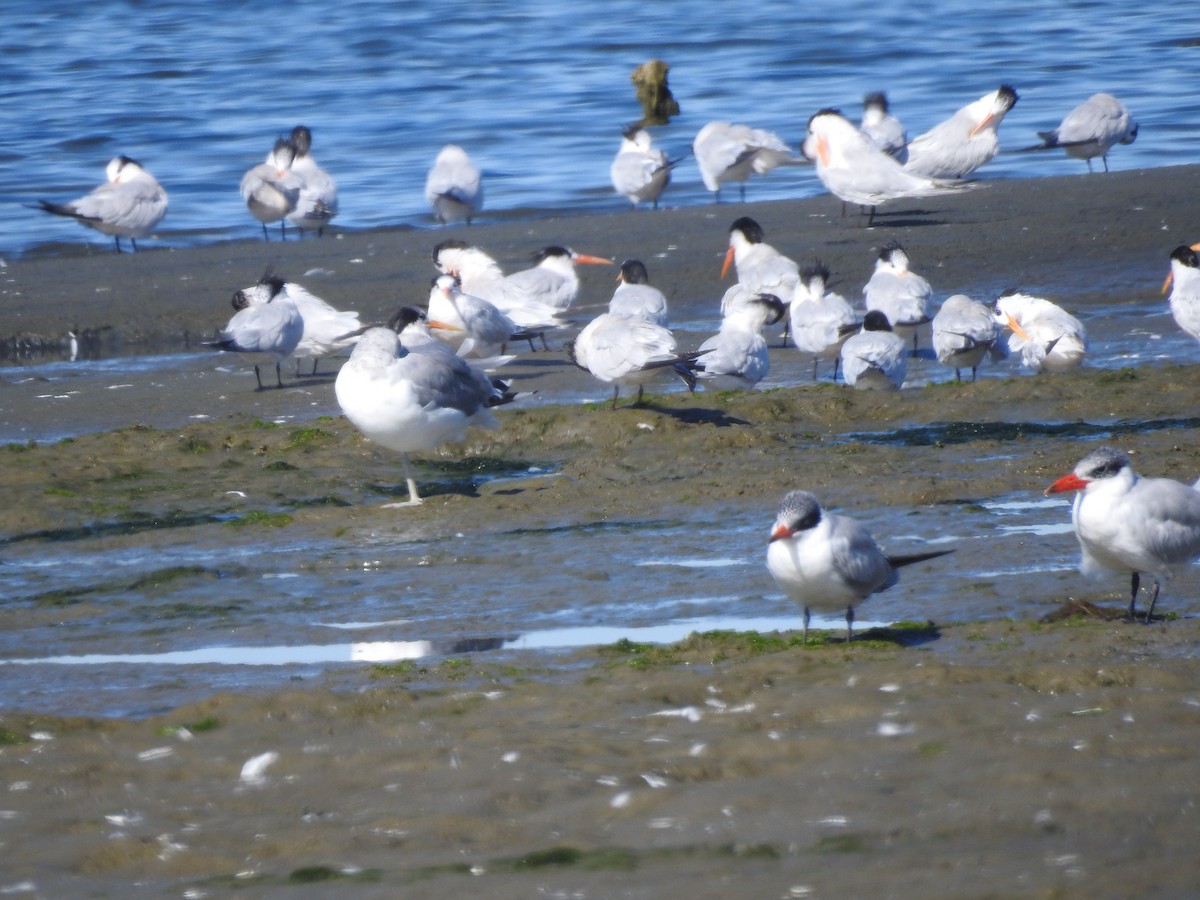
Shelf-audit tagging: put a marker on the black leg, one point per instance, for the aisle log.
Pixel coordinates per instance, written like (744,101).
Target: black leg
(1132,614)
(849,624)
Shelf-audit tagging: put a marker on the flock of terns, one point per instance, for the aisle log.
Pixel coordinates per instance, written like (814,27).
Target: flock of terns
(424,377)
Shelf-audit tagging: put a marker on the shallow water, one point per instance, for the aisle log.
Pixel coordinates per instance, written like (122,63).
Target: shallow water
(536,93)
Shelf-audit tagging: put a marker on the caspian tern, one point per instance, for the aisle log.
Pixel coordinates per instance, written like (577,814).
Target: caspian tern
(856,171)
(964,331)
(1184,281)
(129,204)
(635,296)
(553,280)
(638,171)
(454,186)
(1125,522)
(829,562)
(318,200)
(408,393)
(876,357)
(821,322)
(898,292)
(728,152)
(270,189)
(476,327)
(325,327)
(736,357)
(1048,338)
(1091,129)
(620,350)
(961,144)
(271,329)
(760,267)
(884,129)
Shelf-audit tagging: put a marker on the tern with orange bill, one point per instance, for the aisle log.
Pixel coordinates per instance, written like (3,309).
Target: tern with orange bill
(962,143)
(1048,338)
(1184,283)
(552,280)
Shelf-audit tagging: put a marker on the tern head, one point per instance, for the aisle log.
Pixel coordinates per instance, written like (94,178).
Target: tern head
(302,140)
(815,277)
(556,254)
(269,287)
(633,271)
(990,109)
(893,255)
(823,127)
(798,512)
(743,232)
(121,168)
(876,100)
(444,251)
(1182,256)
(776,309)
(875,320)
(1096,466)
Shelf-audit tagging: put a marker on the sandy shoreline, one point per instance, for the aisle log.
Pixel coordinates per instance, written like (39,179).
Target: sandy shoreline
(1002,758)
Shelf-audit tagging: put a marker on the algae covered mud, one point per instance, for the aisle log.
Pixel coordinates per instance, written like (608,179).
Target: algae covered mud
(184,559)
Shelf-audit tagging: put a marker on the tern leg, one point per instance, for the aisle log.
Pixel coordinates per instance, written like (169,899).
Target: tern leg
(616,391)
(807,616)
(974,370)
(641,390)
(316,359)
(837,361)
(1132,614)
(258,377)
(278,376)
(849,624)
(1153,600)
(266,237)
(815,368)
(957,377)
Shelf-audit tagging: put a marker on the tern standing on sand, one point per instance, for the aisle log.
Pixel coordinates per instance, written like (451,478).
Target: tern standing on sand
(129,204)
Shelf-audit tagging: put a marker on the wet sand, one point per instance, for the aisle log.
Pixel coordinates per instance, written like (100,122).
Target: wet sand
(1003,758)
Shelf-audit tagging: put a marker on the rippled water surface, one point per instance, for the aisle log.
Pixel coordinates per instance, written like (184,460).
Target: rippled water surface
(535,91)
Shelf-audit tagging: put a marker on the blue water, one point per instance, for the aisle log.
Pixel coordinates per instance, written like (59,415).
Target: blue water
(537,92)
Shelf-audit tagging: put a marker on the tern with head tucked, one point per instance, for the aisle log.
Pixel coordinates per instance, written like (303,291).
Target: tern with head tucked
(271,190)
(129,204)
(964,332)
(736,357)
(318,200)
(730,152)
(624,350)
(408,393)
(828,562)
(821,322)
(1048,338)
(1092,129)
(1127,523)
(855,170)
(875,359)
(639,172)
(267,324)
(454,186)
(961,144)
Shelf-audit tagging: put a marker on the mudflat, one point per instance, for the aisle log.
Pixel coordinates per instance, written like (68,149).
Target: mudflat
(1004,757)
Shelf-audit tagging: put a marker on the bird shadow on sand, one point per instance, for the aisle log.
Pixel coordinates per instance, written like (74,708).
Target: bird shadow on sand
(908,634)
(693,415)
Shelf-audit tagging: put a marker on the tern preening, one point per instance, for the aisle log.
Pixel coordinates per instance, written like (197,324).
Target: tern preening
(266,324)
(829,562)
(962,143)
(1091,129)
(730,152)
(318,200)
(639,172)
(1048,337)
(271,190)
(1128,523)
(454,186)
(409,393)
(129,204)
(855,170)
